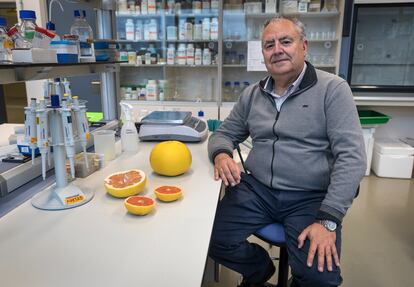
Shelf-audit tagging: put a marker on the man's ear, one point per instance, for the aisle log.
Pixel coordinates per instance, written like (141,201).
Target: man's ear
(305,46)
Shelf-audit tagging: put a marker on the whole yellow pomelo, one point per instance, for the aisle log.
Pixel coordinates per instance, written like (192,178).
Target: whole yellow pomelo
(170,158)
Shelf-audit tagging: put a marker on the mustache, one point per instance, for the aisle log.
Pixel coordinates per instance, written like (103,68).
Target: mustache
(277,58)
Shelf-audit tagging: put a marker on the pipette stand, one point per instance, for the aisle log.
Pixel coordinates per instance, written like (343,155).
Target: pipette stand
(60,195)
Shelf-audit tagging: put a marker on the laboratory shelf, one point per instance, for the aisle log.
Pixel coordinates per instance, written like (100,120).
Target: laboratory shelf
(134,15)
(191,66)
(191,41)
(11,73)
(234,66)
(272,15)
(192,15)
(142,65)
(138,41)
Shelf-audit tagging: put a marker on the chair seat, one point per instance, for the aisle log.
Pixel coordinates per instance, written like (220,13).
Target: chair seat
(272,233)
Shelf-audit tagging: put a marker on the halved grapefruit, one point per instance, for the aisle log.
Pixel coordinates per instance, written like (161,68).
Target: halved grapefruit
(168,192)
(139,205)
(125,183)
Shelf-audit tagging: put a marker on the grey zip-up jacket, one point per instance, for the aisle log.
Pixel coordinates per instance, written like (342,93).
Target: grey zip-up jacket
(314,143)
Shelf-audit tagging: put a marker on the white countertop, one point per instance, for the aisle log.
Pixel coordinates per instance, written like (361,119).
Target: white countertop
(100,244)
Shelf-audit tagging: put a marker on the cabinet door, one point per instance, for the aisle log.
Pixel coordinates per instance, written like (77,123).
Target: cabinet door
(382,52)
(171,49)
(242,26)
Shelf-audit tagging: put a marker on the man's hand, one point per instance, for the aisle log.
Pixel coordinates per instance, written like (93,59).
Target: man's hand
(322,241)
(226,169)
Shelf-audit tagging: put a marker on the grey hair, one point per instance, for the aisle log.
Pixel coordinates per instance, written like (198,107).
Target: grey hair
(300,27)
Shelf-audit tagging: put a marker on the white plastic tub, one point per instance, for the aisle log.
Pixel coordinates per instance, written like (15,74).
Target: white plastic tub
(392,158)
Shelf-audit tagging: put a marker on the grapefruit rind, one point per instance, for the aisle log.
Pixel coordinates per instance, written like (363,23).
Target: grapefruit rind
(170,158)
(139,209)
(168,197)
(126,191)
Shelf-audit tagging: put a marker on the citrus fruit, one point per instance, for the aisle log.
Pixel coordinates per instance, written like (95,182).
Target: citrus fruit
(125,183)
(139,205)
(168,193)
(170,158)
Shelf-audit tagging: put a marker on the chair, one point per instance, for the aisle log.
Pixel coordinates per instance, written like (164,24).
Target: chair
(274,234)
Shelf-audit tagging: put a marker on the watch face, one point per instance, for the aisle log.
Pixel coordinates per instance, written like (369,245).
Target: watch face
(328,224)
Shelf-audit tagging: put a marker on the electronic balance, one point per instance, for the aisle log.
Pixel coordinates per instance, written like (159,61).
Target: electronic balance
(172,125)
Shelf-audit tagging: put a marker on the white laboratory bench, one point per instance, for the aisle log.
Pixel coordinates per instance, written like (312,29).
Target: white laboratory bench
(100,244)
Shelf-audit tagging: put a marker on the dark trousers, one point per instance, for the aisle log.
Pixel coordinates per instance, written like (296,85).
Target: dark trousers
(251,205)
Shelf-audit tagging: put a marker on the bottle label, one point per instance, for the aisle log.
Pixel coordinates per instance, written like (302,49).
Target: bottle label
(29,35)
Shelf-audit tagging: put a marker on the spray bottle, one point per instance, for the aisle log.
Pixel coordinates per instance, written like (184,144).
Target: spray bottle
(129,134)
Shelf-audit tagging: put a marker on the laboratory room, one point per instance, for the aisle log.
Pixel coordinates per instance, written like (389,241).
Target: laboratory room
(164,142)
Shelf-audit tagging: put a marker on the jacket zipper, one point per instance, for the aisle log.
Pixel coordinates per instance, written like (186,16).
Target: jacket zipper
(274,146)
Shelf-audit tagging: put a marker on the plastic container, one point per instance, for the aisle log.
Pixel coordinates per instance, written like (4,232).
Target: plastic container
(190,54)
(171,54)
(28,24)
(227,92)
(66,51)
(129,30)
(181,54)
(106,50)
(129,134)
(152,90)
(369,117)
(104,142)
(370,120)
(198,31)
(5,43)
(171,32)
(236,90)
(198,57)
(392,158)
(83,30)
(206,56)
(206,29)
(153,30)
(214,28)
(139,30)
(369,146)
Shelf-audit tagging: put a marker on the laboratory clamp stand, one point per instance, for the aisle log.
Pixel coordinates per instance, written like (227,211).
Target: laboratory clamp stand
(49,123)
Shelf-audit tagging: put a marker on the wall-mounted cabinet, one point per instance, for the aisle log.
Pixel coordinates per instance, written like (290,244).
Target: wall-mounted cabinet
(189,51)
(382,50)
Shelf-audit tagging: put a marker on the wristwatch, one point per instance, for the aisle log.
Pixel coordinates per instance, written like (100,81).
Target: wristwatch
(328,224)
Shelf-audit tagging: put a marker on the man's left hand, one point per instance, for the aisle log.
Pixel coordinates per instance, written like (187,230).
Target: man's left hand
(322,242)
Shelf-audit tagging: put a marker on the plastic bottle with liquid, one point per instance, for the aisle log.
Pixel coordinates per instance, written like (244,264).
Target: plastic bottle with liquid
(123,54)
(236,90)
(206,57)
(152,90)
(198,57)
(52,28)
(170,54)
(206,29)
(227,92)
(139,30)
(28,24)
(83,30)
(5,43)
(190,54)
(214,25)
(181,54)
(198,31)
(129,30)
(129,134)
